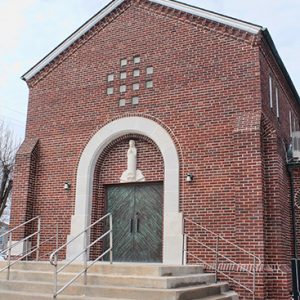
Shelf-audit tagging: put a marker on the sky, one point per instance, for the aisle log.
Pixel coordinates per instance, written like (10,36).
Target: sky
(30,29)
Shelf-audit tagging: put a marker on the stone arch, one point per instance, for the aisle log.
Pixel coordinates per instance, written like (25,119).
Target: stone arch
(172,231)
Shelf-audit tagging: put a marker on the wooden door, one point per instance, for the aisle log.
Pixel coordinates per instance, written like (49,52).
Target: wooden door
(137,221)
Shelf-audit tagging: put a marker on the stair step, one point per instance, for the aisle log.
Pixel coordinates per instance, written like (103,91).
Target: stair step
(127,281)
(116,268)
(230,295)
(8,295)
(166,282)
(184,293)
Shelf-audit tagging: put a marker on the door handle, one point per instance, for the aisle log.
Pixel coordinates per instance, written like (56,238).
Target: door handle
(131,225)
(137,224)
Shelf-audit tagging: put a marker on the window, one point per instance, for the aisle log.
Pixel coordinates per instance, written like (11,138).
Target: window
(136,73)
(291,124)
(135,100)
(123,62)
(110,77)
(122,102)
(123,88)
(277,101)
(271,91)
(137,59)
(123,75)
(149,70)
(110,91)
(136,86)
(149,84)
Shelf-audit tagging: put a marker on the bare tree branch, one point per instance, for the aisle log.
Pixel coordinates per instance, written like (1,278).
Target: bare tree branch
(8,149)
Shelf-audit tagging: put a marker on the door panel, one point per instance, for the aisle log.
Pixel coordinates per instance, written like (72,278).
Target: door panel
(137,221)
(148,218)
(121,206)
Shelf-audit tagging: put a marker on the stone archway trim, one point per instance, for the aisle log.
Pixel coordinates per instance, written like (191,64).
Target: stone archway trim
(172,231)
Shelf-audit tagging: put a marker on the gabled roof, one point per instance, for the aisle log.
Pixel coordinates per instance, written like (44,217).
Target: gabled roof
(222,19)
(248,27)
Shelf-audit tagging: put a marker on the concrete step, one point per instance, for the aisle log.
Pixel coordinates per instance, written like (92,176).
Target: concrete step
(27,286)
(184,293)
(127,281)
(161,282)
(8,295)
(230,295)
(116,268)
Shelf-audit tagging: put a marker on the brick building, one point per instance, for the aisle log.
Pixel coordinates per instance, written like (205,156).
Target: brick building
(211,110)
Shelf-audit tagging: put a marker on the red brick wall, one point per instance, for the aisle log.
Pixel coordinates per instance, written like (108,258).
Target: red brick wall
(277,200)
(24,187)
(210,92)
(277,216)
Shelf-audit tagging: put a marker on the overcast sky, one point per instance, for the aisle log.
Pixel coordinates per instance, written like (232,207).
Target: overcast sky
(29,29)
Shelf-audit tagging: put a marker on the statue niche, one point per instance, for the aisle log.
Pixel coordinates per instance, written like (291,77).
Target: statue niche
(132,174)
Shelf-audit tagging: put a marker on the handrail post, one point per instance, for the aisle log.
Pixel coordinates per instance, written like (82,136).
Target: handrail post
(110,239)
(254,277)
(9,255)
(183,242)
(55,275)
(85,256)
(184,258)
(56,235)
(38,239)
(217,260)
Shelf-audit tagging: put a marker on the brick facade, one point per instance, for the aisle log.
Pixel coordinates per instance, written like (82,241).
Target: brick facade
(211,93)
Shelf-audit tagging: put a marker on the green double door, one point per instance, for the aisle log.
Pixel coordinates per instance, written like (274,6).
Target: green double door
(137,221)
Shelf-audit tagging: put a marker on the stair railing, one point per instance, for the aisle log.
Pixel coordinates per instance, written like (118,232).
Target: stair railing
(218,255)
(54,236)
(86,233)
(42,242)
(8,249)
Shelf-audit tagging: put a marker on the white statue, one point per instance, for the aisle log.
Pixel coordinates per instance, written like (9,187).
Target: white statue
(132,174)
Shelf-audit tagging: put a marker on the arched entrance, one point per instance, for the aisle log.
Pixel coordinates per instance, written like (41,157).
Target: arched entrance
(172,218)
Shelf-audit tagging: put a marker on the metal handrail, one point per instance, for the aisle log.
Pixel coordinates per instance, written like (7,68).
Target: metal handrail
(223,256)
(216,251)
(222,238)
(13,229)
(55,236)
(11,246)
(54,256)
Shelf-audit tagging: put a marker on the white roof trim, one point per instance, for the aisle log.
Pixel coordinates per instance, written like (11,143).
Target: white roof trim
(71,39)
(251,28)
(210,15)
